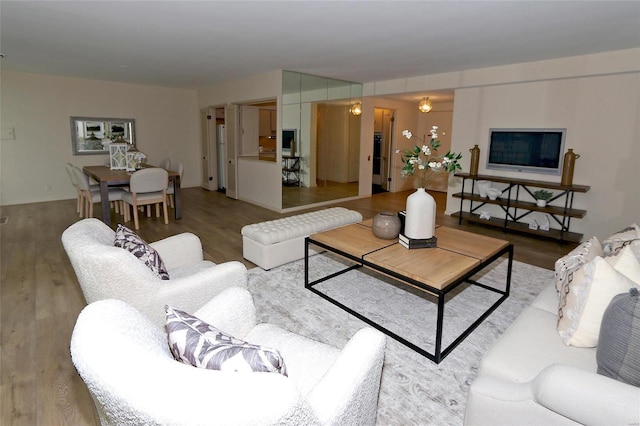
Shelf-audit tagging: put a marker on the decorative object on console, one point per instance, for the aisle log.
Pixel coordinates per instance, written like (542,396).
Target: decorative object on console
(485,215)
(545,223)
(118,156)
(421,207)
(386,225)
(567,167)
(475,158)
(483,186)
(493,193)
(542,196)
(534,225)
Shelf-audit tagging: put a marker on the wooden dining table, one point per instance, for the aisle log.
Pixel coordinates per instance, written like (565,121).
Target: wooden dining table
(115,178)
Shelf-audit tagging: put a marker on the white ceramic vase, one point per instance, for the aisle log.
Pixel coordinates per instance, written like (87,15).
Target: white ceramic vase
(420,222)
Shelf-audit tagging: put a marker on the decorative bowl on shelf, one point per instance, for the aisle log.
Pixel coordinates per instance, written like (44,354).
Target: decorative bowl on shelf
(493,193)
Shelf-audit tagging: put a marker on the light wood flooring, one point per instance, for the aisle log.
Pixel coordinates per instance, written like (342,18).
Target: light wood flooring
(40,297)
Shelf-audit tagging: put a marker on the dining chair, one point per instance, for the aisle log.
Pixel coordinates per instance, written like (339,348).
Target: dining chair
(89,194)
(166,164)
(170,190)
(147,186)
(74,182)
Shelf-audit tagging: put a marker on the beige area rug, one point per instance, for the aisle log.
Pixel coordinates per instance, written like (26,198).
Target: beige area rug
(414,390)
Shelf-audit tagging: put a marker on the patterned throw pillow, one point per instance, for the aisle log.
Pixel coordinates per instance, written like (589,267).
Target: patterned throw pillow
(611,245)
(193,341)
(129,240)
(584,300)
(618,353)
(567,265)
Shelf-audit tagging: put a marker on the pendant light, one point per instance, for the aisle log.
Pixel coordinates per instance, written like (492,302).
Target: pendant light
(425,105)
(356,109)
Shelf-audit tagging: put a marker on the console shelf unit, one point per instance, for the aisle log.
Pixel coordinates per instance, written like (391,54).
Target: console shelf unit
(513,202)
(291,170)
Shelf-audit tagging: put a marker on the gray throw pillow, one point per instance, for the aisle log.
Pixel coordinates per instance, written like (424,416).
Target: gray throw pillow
(129,240)
(193,341)
(618,353)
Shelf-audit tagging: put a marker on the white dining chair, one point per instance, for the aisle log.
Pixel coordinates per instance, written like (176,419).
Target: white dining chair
(170,190)
(166,164)
(90,194)
(147,186)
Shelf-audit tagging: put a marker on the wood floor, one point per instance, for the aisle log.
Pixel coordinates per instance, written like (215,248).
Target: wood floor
(40,297)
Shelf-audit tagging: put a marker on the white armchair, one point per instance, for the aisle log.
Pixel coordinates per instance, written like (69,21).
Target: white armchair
(108,272)
(127,366)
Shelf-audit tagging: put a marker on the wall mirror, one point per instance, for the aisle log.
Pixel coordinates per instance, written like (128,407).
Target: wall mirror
(318,111)
(93,135)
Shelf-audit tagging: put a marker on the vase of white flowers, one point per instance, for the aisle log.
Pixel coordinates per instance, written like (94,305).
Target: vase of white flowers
(422,161)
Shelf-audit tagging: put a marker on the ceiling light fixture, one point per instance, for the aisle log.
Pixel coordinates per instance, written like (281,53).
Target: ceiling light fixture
(356,109)
(425,105)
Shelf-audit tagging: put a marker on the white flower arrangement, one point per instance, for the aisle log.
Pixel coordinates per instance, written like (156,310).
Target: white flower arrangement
(425,158)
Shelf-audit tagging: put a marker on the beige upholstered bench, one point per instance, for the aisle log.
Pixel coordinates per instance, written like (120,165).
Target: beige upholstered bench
(276,242)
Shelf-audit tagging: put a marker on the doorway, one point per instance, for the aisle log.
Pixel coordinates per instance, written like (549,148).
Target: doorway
(382,143)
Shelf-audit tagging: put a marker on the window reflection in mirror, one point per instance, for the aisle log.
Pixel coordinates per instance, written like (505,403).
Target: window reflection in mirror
(93,135)
(328,137)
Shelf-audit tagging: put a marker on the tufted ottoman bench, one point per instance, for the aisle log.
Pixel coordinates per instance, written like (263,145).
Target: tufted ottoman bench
(276,242)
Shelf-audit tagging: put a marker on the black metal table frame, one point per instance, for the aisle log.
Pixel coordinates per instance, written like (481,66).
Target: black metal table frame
(439,353)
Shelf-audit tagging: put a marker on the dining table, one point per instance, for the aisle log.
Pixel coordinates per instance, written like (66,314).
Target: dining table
(118,178)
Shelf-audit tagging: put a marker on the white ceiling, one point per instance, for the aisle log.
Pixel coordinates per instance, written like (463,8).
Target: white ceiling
(191,44)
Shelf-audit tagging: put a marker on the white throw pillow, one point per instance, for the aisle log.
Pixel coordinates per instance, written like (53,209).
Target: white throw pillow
(570,263)
(584,300)
(611,245)
(626,262)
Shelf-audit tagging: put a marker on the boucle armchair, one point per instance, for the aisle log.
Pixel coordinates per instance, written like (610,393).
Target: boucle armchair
(108,272)
(129,370)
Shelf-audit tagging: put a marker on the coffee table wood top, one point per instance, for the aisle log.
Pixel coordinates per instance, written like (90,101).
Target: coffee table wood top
(458,252)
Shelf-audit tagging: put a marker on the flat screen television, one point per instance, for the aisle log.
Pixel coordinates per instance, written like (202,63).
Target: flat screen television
(526,150)
(288,141)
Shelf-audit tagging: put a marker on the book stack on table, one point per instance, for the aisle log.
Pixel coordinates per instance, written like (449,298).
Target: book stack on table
(414,243)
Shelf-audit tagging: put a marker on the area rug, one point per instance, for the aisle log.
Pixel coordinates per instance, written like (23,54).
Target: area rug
(414,390)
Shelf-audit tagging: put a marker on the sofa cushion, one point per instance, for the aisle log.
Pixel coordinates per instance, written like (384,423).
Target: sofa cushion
(618,354)
(567,265)
(585,299)
(617,241)
(127,239)
(307,360)
(530,344)
(193,341)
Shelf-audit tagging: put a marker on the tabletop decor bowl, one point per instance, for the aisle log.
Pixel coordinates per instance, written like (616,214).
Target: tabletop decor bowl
(386,225)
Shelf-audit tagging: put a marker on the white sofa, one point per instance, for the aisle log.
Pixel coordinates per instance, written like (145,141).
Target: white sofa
(126,363)
(108,272)
(530,377)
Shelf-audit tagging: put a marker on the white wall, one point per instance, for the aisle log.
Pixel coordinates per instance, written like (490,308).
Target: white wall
(38,107)
(265,189)
(594,96)
(602,118)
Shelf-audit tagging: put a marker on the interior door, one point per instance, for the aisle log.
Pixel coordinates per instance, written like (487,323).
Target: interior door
(386,157)
(231,119)
(207,121)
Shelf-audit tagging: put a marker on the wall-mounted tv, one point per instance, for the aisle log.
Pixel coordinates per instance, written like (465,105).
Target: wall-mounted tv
(526,150)
(289,142)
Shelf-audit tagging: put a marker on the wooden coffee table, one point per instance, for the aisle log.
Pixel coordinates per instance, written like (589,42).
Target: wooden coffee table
(438,271)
